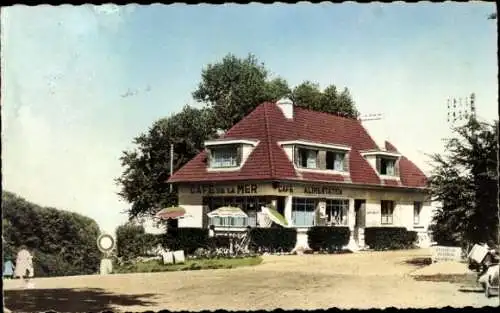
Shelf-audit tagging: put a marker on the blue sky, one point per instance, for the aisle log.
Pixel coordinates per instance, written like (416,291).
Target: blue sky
(64,69)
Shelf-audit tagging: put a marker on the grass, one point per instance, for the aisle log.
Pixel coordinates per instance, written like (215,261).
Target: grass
(189,265)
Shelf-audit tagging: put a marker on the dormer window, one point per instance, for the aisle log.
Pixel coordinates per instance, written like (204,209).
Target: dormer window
(387,166)
(335,160)
(321,159)
(226,156)
(307,158)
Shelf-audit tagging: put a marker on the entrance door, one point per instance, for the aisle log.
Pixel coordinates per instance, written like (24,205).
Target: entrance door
(360,217)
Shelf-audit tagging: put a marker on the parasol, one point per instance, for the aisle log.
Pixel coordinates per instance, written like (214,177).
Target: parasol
(275,216)
(227,211)
(173,212)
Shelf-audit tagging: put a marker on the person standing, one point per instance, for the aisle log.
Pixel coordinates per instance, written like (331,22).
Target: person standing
(8,268)
(24,265)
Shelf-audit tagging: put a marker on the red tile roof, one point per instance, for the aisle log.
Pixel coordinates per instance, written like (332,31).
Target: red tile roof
(268,161)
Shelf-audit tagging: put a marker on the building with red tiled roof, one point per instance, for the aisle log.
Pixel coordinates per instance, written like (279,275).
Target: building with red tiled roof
(314,167)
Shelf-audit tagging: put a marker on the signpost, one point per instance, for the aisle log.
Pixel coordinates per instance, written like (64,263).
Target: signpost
(106,244)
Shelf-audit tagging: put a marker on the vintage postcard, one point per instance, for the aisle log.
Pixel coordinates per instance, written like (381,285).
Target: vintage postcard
(248,157)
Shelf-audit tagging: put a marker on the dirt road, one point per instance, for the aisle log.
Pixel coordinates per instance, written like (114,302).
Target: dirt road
(361,280)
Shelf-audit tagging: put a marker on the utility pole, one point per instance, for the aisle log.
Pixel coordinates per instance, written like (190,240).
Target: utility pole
(171,163)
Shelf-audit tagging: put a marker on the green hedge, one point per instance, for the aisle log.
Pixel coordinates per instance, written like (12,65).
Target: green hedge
(325,238)
(277,239)
(389,238)
(187,239)
(62,242)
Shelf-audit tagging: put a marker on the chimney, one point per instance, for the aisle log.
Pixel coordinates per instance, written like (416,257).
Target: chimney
(286,106)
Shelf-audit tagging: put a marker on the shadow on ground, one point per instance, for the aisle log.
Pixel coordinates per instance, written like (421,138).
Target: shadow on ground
(69,300)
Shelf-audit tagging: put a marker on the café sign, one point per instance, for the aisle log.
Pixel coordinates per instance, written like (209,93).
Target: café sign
(310,189)
(214,189)
(322,190)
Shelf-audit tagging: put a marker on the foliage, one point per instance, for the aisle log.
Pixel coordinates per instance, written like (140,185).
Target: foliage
(273,239)
(324,238)
(187,239)
(132,241)
(230,89)
(62,242)
(465,181)
(389,238)
(194,264)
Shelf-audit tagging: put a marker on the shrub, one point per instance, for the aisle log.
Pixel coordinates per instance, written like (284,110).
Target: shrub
(325,238)
(218,242)
(389,238)
(277,239)
(130,240)
(62,242)
(187,239)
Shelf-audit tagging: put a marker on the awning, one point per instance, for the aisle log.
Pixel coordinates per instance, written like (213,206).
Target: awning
(227,211)
(173,212)
(275,216)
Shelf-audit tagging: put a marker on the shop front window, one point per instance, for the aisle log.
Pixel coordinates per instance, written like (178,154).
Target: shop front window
(336,212)
(303,211)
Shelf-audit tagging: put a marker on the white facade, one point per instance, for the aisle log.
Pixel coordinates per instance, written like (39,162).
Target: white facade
(370,216)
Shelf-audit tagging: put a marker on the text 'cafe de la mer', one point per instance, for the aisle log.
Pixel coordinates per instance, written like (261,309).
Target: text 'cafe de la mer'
(315,168)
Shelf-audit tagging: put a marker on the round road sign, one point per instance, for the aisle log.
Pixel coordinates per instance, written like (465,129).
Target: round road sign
(105,243)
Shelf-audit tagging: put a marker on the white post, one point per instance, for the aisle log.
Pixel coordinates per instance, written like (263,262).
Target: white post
(351,220)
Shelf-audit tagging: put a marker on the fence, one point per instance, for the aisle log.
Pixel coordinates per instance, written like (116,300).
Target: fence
(443,254)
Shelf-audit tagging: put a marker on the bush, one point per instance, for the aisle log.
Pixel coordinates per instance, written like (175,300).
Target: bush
(129,240)
(62,242)
(389,238)
(218,242)
(277,239)
(324,238)
(187,239)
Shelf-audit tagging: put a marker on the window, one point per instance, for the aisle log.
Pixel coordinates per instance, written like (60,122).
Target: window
(387,211)
(417,208)
(336,212)
(303,211)
(224,157)
(306,158)
(335,161)
(387,167)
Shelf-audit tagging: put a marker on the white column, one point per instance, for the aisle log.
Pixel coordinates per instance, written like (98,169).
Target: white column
(351,221)
(288,209)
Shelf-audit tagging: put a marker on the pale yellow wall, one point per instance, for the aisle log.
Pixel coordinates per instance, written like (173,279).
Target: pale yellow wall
(403,212)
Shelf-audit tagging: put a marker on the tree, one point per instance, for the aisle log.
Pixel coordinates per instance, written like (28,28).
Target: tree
(147,166)
(465,181)
(232,88)
(309,95)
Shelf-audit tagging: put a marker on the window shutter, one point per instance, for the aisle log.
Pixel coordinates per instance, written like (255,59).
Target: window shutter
(346,162)
(396,168)
(378,164)
(296,156)
(209,157)
(321,159)
(239,154)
